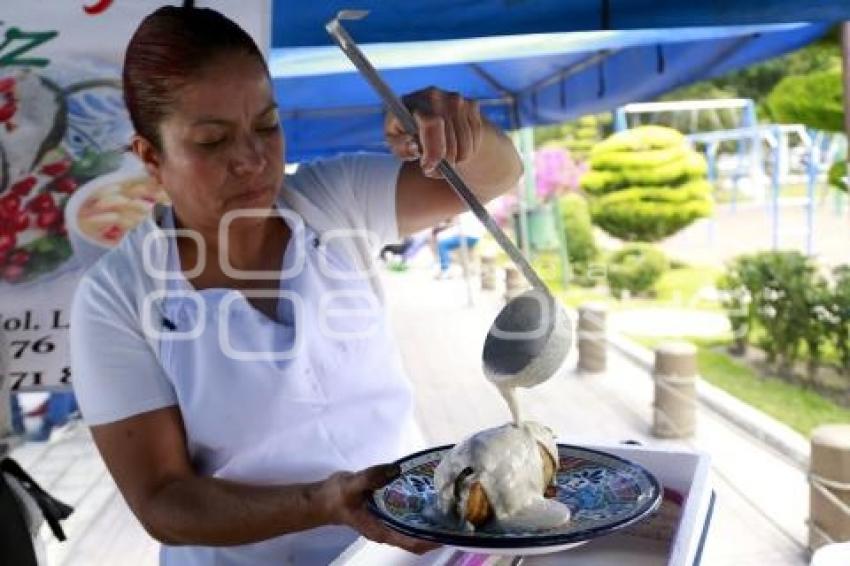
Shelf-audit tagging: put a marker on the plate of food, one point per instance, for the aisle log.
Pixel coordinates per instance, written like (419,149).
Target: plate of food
(60,128)
(513,490)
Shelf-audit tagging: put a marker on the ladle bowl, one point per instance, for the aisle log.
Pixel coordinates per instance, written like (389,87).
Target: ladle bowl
(528,341)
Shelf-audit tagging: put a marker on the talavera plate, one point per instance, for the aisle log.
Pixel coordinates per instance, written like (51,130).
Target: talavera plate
(605,493)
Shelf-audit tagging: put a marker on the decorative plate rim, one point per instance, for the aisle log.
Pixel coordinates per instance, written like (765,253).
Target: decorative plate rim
(653,501)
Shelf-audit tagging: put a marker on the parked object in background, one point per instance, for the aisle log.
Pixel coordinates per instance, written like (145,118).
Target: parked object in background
(405,250)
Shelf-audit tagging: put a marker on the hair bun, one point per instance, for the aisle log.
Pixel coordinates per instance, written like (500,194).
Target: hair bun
(188,4)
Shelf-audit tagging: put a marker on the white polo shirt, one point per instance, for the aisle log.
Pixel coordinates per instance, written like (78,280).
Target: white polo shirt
(264,400)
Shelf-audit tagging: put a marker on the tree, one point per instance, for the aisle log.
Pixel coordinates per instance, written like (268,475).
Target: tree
(814,100)
(757,81)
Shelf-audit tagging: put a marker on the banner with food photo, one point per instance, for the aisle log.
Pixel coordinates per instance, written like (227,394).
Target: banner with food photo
(69,190)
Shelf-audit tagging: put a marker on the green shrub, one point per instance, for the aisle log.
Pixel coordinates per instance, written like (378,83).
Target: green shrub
(837,173)
(581,244)
(814,100)
(646,184)
(635,268)
(839,308)
(781,294)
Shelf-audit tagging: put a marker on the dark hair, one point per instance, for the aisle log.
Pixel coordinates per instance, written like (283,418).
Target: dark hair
(170,47)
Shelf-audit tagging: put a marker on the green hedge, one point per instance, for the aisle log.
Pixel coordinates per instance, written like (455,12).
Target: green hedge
(646,184)
(635,268)
(575,217)
(837,173)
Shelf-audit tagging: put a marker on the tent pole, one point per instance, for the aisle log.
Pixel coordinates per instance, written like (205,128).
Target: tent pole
(774,200)
(521,225)
(711,158)
(526,190)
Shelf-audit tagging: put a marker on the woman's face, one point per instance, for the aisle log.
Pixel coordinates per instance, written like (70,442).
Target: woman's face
(222,144)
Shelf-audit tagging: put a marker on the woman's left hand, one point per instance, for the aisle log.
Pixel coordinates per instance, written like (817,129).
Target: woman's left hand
(450,128)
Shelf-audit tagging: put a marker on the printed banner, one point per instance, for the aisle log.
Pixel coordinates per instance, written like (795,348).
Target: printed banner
(68,189)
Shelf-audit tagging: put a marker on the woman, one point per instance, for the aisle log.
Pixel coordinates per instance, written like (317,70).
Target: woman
(223,388)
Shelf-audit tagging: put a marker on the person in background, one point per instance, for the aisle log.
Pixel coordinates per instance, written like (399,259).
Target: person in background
(465,229)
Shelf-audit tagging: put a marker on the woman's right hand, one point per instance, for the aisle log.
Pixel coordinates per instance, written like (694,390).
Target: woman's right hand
(345,493)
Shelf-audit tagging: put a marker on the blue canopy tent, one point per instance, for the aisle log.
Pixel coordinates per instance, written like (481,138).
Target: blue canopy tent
(299,24)
(520,80)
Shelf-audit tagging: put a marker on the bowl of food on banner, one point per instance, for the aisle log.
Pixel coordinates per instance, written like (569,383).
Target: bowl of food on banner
(102,211)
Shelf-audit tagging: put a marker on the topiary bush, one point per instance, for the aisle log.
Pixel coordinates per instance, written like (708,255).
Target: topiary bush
(635,268)
(646,184)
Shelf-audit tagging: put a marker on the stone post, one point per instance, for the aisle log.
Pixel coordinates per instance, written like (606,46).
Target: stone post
(675,376)
(592,340)
(515,283)
(829,480)
(488,272)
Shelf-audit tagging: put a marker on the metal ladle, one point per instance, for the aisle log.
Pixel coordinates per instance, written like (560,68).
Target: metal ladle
(532,335)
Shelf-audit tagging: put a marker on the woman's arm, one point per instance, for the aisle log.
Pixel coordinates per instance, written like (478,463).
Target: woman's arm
(147,456)
(451,128)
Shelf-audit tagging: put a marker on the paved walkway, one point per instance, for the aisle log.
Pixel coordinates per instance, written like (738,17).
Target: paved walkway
(654,322)
(762,496)
(750,229)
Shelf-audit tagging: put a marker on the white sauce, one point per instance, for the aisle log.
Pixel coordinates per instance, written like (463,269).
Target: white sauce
(509,465)
(509,394)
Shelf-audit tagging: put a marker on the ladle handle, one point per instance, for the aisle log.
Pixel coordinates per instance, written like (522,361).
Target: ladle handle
(407,120)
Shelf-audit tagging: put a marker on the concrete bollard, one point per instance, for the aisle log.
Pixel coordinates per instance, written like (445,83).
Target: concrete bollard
(829,481)
(515,283)
(675,376)
(488,272)
(592,340)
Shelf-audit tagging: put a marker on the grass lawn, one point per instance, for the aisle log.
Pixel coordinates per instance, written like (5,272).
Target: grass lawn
(681,287)
(801,409)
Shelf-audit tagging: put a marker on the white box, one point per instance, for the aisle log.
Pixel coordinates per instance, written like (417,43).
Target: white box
(684,472)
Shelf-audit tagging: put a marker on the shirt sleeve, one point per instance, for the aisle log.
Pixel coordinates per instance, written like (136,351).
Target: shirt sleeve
(115,372)
(359,190)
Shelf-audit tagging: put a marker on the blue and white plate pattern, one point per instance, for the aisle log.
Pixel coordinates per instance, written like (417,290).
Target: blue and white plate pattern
(605,493)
